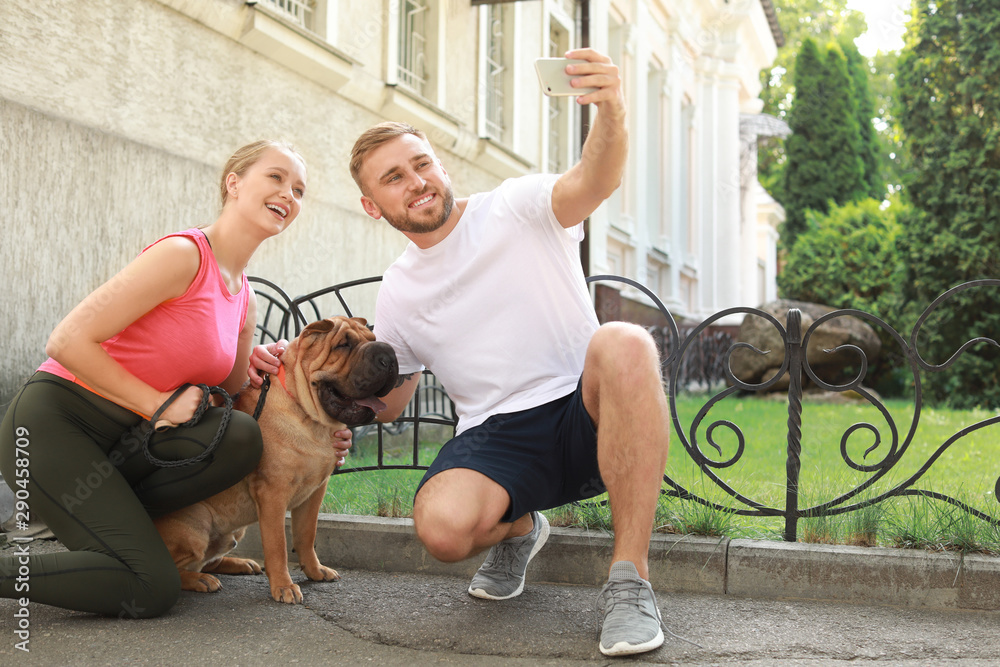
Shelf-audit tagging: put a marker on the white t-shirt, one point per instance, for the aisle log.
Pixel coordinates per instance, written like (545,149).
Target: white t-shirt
(499,310)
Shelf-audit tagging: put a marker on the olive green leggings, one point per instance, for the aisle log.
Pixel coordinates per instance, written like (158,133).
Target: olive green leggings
(98,496)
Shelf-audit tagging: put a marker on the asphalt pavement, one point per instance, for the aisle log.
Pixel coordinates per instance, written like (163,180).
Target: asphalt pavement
(417,612)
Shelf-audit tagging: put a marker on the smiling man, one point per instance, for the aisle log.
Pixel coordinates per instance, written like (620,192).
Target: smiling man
(490,295)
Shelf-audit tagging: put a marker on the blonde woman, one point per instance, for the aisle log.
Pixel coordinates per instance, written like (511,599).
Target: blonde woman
(182,312)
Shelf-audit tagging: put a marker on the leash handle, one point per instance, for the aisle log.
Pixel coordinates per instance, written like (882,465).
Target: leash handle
(198,414)
(155,419)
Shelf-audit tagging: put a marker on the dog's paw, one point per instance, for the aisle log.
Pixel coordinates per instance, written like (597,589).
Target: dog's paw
(249,566)
(199,582)
(290,594)
(231,565)
(322,573)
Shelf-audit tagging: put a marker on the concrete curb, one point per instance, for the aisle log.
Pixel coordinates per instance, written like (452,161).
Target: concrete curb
(905,577)
(688,564)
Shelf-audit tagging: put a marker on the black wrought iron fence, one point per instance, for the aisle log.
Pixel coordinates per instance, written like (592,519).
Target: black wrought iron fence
(702,356)
(703,367)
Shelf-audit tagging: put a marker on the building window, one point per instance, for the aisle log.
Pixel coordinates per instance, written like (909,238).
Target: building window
(616,202)
(615,264)
(688,165)
(655,158)
(412,68)
(299,12)
(558,107)
(498,54)
(658,276)
(621,258)
(688,294)
(653,277)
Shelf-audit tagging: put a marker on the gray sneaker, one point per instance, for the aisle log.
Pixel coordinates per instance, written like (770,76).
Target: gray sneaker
(631,618)
(501,576)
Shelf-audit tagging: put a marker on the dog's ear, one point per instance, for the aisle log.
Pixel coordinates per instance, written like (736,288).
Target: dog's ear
(360,320)
(319,327)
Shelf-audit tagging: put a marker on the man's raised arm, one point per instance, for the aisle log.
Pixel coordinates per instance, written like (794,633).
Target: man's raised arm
(599,172)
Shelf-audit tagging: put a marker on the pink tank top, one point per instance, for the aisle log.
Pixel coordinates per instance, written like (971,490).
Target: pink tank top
(190,339)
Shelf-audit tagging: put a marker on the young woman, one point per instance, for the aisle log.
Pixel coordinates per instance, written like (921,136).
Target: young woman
(181,313)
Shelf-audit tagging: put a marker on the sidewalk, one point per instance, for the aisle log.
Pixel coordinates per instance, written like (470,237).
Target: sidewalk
(741,601)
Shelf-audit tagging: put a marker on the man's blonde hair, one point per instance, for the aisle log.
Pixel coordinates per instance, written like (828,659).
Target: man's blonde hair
(374,137)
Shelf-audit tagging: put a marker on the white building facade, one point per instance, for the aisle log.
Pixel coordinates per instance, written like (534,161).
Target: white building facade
(115,118)
(682,225)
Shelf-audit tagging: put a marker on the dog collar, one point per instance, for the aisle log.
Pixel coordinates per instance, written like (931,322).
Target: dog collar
(281,376)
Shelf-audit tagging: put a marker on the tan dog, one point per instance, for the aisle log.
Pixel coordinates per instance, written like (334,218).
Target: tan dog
(332,373)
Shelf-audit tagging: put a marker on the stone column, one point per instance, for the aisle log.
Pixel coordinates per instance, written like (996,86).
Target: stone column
(726,189)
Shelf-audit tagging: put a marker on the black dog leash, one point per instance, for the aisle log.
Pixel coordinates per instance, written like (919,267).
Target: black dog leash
(259,408)
(145,429)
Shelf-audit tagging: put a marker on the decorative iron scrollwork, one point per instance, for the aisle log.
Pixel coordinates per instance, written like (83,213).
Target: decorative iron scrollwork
(287,318)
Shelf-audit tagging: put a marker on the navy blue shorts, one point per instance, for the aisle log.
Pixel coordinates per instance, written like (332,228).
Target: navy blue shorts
(544,457)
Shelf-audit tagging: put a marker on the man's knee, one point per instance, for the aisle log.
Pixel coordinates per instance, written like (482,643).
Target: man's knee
(622,344)
(442,533)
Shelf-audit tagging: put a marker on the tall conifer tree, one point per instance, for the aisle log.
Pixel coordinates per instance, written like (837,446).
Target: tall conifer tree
(864,104)
(824,150)
(949,92)
(804,172)
(842,133)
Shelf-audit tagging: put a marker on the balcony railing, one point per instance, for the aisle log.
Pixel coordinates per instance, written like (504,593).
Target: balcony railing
(299,12)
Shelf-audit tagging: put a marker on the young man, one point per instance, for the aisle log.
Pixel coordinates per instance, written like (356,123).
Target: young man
(491,296)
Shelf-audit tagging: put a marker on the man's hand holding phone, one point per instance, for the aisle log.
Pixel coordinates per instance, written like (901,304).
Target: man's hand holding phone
(588,75)
(585,185)
(555,81)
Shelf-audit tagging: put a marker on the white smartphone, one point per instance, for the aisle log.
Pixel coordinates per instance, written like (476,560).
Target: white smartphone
(555,81)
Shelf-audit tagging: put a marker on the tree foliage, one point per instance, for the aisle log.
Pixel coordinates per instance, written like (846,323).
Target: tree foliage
(864,110)
(949,93)
(848,259)
(825,148)
(799,20)
(892,151)
(823,20)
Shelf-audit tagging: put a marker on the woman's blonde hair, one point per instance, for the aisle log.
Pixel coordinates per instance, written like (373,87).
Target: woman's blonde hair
(374,137)
(247,156)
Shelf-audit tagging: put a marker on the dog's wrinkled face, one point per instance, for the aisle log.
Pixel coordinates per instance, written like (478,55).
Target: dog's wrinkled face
(340,370)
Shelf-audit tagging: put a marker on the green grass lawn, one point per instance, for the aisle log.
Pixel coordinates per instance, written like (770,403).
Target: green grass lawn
(968,470)
(380,492)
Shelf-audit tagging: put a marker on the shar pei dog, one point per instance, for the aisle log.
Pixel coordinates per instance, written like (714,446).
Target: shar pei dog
(332,376)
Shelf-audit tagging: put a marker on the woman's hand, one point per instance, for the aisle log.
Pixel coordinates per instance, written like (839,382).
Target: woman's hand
(342,444)
(265,359)
(183,407)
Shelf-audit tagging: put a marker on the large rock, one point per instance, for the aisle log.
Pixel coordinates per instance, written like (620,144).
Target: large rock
(754,368)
